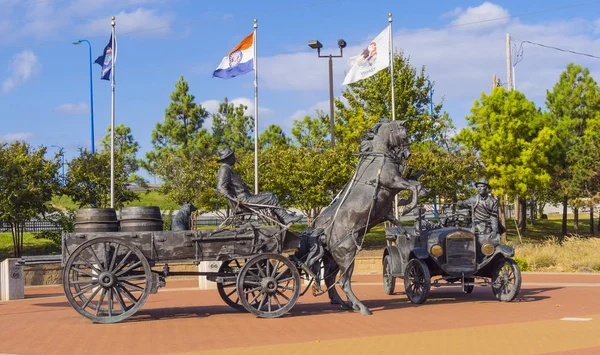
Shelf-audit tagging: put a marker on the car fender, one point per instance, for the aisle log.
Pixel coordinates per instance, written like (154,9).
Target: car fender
(419,253)
(505,250)
(396,259)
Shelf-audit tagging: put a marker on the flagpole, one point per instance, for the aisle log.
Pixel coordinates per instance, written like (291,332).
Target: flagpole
(112,117)
(391,54)
(255,60)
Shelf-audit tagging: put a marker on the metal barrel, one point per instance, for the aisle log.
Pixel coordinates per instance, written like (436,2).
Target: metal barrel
(89,220)
(141,219)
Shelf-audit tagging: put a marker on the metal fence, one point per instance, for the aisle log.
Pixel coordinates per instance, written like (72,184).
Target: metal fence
(32,226)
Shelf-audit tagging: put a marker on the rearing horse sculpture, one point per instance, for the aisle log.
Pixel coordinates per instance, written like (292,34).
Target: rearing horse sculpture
(365,202)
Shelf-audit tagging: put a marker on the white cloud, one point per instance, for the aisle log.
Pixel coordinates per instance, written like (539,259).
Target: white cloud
(23,66)
(21,136)
(140,19)
(300,114)
(73,109)
(212,106)
(459,62)
(484,12)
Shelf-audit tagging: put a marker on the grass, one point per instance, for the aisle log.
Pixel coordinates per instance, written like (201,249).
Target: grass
(569,254)
(31,246)
(147,198)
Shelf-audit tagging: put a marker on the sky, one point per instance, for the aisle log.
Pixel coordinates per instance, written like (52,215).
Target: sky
(44,78)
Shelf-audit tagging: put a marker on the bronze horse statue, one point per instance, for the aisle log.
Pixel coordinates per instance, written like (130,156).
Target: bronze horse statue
(366,201)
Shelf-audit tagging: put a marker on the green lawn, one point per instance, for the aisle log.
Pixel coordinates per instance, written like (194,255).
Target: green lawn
(147,198)
(31,246)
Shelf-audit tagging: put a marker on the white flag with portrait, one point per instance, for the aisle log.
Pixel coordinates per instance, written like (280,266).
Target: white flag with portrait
(371,60)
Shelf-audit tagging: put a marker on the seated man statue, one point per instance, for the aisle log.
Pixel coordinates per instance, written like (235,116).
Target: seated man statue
(231,186)
(484,209)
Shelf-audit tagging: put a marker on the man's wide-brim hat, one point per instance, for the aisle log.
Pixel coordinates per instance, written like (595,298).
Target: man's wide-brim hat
(224,153)
(483,181)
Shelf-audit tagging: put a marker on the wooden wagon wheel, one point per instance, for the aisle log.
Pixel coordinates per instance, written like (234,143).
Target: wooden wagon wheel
(107,279)
(274,282)
(228,288)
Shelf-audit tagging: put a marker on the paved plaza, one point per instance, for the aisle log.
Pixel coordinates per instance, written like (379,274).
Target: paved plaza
(554,314)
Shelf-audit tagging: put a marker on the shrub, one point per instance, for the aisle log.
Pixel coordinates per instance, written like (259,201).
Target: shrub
(65,221)
(522,263)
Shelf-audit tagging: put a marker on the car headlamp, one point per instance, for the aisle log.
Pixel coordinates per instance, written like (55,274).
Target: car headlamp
(487,249)
(436,250)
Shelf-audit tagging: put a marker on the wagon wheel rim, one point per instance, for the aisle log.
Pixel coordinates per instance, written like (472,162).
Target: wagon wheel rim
(268,285)
(228,289)
(107,279)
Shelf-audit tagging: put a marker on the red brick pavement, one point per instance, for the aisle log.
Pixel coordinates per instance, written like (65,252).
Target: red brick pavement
(179,320)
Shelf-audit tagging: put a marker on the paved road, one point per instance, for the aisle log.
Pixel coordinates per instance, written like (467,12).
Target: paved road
(554,314)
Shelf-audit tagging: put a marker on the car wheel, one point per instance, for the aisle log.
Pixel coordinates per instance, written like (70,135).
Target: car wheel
(506,282)
(417,281)
(469,289)
(389,281)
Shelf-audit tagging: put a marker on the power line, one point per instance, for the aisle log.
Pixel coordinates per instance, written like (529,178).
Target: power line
(561,49)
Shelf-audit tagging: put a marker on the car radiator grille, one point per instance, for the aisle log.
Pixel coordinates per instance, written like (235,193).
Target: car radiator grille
(460,251)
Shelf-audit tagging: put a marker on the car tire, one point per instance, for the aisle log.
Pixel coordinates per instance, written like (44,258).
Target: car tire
(506,280)
(417,281)
(389,281)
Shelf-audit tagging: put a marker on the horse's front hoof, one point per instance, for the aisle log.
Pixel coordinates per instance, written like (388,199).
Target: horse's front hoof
(366,312)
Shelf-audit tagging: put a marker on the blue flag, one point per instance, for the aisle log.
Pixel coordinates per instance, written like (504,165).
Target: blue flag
(105,60)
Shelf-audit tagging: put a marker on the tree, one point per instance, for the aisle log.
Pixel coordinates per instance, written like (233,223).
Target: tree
(180,145)
(232,128)
(573,104)
(28,181)
(513,142)
(370,99)
(273,136)
(181,130)
(88,179)
(303,177)
(311,132)
(449,168)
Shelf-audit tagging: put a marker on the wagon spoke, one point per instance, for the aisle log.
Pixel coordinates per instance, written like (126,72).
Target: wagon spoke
(100,301)
(84,272)
(122,262)
(114,258)
(277,300)
(252,290)
(128,294)
(255,297)
(131,277)
(262,303)
(120,299)
(90,299)
(96,257)
(286,279)
(133,286)
(83,282)
(84,290)
(110,302)
(88,264)
(282,295)
(132,266)
(276,268)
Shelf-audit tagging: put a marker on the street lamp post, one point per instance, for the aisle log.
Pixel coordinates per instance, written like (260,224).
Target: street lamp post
(315,44)
(62,154)
(431,114)
(91,91)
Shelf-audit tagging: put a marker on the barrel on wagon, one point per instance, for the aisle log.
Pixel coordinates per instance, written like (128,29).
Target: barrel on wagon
(141,219)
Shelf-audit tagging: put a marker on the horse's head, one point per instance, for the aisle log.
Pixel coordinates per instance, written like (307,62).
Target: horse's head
(392,138)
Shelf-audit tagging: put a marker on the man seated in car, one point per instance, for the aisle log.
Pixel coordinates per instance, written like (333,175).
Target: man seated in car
(484,208)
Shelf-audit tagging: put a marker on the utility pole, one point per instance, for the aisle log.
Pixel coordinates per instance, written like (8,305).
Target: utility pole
(508,63)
